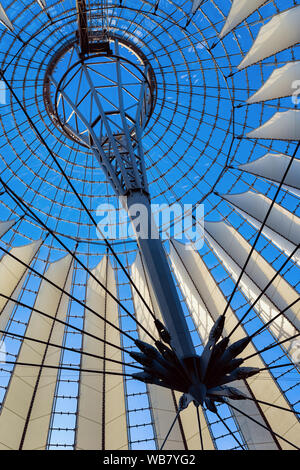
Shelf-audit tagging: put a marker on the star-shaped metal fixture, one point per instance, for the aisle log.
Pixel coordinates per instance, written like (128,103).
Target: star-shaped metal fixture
(203,379)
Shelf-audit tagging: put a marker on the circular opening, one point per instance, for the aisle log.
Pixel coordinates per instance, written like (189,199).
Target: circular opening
(111,89)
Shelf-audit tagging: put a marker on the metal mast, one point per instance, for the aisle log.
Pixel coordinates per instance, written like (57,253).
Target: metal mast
(110,121)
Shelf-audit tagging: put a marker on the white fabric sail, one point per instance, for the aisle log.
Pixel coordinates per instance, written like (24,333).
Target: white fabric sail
(273,166)
(278,34)
(4,19)
(199,287)
(282,126)
(163,400)
(282,227)
(12,277)
(101,421)
(240,10)
(6,226)
(279,85)
(232,249)
(26,411)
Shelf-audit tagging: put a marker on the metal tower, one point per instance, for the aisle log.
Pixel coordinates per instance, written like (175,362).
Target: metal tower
(106,342)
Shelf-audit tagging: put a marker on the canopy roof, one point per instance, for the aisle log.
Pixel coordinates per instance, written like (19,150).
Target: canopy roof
(223,133)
